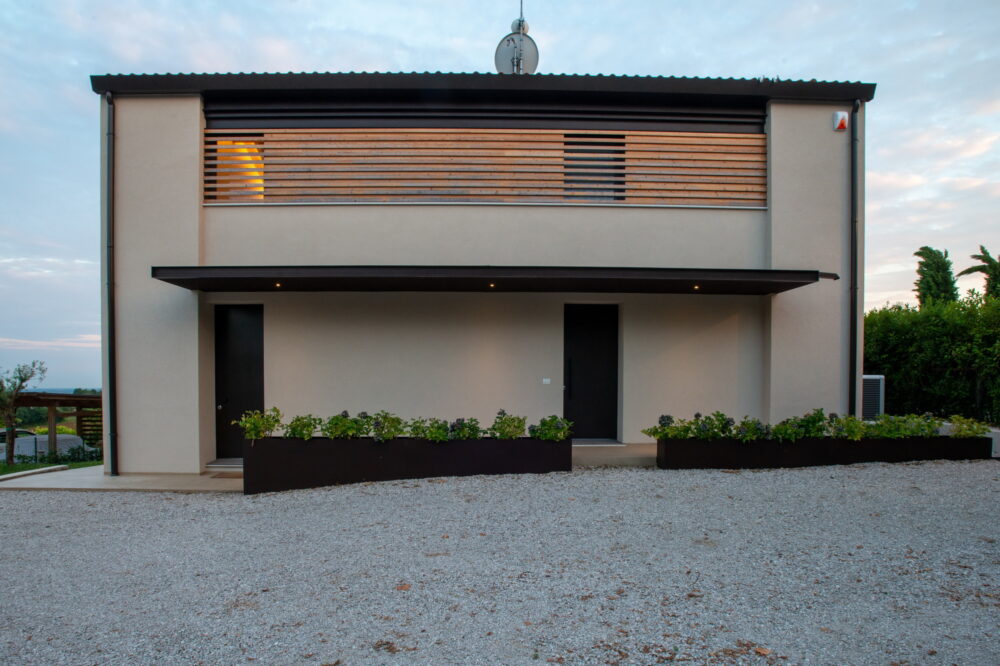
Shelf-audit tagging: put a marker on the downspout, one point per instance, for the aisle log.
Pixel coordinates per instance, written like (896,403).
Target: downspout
(109,283)
(852,390)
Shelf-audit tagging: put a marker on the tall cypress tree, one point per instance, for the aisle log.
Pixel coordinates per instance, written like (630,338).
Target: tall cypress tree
(935,280)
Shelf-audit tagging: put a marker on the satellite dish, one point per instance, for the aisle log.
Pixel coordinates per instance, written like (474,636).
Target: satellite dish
(517,54)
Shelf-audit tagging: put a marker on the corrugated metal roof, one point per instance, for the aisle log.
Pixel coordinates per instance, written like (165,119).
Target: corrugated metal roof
(679,85)
(438,73)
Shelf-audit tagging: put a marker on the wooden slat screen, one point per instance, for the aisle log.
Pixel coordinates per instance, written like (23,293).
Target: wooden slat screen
(485,165)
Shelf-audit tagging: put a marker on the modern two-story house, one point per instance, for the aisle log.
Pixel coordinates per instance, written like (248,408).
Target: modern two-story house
(608,248)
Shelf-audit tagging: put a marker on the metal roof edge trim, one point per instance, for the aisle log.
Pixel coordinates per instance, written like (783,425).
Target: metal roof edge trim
(288,81)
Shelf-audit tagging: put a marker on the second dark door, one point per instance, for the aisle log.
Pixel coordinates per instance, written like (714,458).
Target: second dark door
(590,366)
(239,372)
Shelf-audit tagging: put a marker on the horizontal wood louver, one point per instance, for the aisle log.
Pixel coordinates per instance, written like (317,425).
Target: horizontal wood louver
(485,165)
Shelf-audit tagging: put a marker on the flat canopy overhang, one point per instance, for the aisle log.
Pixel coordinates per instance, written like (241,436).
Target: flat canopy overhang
(487,278)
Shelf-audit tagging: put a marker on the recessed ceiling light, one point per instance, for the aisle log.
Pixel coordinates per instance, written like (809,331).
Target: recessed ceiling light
(696,287)
(492,285)
(278,284)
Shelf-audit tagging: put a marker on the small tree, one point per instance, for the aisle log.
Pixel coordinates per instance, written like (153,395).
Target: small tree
(935,280)
(988,266)
(12,384)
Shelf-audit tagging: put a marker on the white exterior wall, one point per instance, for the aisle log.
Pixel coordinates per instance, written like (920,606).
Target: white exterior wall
(452,355)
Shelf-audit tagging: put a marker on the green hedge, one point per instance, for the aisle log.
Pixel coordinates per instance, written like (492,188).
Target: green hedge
(943,358)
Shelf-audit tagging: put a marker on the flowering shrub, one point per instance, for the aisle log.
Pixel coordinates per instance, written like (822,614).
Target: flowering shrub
(345,426)
(714,426)
(551,428)
(814,424)
(386,425)
(507,426)
(750,429)
(465,429)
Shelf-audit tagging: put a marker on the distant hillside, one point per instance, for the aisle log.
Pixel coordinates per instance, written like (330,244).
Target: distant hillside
(45,389)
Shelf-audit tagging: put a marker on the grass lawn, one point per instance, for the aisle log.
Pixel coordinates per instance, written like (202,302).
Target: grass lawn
(24,467)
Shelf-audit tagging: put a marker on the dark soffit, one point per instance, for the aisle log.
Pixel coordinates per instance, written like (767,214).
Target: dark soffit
(480,279)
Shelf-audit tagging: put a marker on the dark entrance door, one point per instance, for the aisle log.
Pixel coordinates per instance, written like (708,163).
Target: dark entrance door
(239,372)
(590,368)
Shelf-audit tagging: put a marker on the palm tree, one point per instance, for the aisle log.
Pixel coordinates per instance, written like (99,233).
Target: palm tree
(988,266)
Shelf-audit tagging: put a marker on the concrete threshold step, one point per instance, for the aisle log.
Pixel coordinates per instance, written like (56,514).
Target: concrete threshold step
(225,465)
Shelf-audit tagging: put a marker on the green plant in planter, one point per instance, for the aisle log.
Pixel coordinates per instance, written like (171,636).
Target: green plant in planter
(845,427)
(302,427)
(507,426)
(667,427)
(751,429)
(345,426)
(551,428)
(385,426)
(963,427)
(714,426)
(711,427)
(258,424)
(812,424)
(434,430)
(465,429)
(887,426)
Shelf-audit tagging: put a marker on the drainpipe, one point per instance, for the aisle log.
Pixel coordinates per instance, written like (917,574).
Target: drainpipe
(852,390)
(109,283)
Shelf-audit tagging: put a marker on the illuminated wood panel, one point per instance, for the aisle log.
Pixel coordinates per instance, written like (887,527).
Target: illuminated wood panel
(489,166)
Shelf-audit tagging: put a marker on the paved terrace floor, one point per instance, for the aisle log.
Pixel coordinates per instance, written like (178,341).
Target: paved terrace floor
(94,478)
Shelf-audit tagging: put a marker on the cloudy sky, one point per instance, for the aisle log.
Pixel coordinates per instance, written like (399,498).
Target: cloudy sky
(933,162)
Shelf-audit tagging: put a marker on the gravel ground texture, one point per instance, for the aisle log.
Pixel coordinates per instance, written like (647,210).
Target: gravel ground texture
(866,564)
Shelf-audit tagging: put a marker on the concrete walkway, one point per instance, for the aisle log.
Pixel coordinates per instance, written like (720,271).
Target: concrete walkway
(614,455)
(94,478)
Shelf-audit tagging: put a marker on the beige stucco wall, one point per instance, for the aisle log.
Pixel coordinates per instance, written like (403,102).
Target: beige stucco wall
(453,355)
(809,227)
(485,235)
(157,221)
(460,355)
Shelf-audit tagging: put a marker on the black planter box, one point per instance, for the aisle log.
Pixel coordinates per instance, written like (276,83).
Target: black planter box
(759,454)
(276,463)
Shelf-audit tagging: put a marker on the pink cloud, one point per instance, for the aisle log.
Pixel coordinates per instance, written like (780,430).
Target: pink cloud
(85,341)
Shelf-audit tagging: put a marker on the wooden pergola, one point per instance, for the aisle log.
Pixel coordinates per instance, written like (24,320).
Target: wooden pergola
(85,420)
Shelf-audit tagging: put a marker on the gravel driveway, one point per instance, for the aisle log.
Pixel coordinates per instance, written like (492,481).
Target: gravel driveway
(872,564)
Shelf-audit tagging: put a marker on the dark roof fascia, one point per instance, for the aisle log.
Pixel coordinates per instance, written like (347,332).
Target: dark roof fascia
(151,84)
(44,399)
(480,279)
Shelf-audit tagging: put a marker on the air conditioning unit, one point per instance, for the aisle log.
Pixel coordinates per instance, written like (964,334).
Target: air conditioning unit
(872,396)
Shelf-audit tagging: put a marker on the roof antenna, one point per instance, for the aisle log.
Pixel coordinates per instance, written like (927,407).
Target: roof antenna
(517,53)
